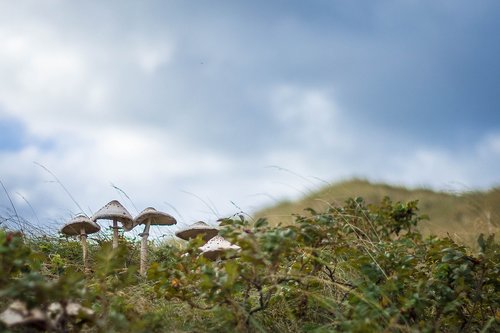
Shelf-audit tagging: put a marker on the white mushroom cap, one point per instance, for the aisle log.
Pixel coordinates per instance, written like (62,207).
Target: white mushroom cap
(18,314)
(216,247)
(115,211)
(157,217)
(74,309)
(198,228)
(55,311)
(74,227)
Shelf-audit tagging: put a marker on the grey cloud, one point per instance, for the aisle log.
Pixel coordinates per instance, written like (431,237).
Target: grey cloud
(386,89)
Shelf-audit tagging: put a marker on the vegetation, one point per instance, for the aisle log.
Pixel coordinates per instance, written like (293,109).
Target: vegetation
(460,216)
(353,268)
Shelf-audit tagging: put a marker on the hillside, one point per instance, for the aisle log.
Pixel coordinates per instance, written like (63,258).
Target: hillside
(463,216)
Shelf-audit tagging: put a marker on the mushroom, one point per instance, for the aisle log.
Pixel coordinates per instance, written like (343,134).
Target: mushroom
(52,319)
(148,217)
(117,213)
(58,312)
(216,247)
(18,314)
(81,225)
(197,228)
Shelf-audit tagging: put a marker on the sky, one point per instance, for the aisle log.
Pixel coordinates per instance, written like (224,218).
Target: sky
(203,109)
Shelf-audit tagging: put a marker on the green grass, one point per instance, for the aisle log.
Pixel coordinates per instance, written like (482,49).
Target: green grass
(462,216)
(353,268)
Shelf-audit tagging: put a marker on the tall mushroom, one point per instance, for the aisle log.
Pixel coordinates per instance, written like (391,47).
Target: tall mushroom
(216,247)
(148,217)
(117,213)
(197,228)
(81,225)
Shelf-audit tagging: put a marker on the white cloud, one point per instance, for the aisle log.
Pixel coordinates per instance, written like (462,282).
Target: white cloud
(490,145)
(441,168)
(47,80)
(427,167)
(152,57)
(310,117)
(56,84)
(128,102)
(145,164)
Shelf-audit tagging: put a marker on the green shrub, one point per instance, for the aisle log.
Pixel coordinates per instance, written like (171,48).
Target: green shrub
(356,268)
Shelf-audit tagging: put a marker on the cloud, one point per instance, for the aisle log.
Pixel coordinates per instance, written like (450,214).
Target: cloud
(306,115)
(198,106)
(447,169)
(48,82)
(140,163)
(490,145)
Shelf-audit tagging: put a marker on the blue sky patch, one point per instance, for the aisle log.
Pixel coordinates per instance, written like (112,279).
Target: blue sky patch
(12,135)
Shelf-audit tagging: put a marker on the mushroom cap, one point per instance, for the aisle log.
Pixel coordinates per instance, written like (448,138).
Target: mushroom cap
(115,211)
(74,227)
(156,217)
(17,314)
(197,228)
(216,246)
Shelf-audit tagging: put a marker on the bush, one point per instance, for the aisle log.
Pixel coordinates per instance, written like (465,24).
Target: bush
(356,268)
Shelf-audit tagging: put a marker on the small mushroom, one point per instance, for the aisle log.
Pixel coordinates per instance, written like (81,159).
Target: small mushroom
(18,314)
(117,213)
(197,228)
(216,247)
(148,217)
(56,315)
(81,225)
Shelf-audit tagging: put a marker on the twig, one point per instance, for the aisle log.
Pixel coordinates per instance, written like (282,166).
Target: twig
(60,184)
(212,209)
(126,196)
(31,207)
(12,204)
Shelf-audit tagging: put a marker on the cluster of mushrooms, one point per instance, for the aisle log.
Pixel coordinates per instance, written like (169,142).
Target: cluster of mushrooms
(215,245)
(17,314)
(114,211)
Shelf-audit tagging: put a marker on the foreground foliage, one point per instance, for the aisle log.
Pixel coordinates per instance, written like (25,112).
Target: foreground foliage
(356,268)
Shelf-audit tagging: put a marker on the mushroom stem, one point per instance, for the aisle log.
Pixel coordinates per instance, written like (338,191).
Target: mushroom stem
(115,234)
(144,248)
(83,239)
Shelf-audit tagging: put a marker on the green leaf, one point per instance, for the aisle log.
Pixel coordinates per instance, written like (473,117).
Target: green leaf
(231,268)
(261,223)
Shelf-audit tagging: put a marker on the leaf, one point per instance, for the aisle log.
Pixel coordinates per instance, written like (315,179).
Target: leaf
(481,243)
(262,222)
(231,268)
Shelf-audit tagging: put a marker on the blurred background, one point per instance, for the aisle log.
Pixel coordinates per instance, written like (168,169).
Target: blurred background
(204,109)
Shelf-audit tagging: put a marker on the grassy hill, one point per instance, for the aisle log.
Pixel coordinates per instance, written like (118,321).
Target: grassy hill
(463,216)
